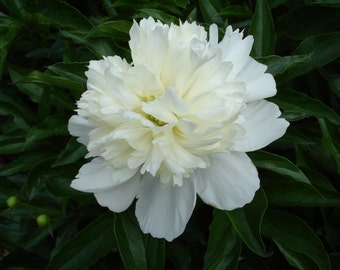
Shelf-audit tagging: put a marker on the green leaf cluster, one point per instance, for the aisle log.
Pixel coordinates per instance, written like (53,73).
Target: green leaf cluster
(293,221)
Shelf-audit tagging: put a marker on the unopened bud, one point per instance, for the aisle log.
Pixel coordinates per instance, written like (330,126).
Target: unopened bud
(43,220)
(12,201)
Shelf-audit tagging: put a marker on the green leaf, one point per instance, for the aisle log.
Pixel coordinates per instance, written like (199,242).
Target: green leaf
(60,187)
(333,79)
(10,144)
(40,234)
(290,193)
(117,30)
(319,180)
(322,49)
(21,113)
(32,90)
(64,15)
(326,3)
(6,20)
(276,3)
(155,252)
(290,23)
(293,134)
(179,255)
(100,47)
(247,222)
(71,71)
(71,153)
(330,141)
(210,11)
(304,106)
(182,3)
(296,240)
(156,14)
(262,28)
(279,64)
(17,8)
(6,40)
(192,16)
(87,247)
(44,78)
(285,192)
(278,164)
(24,163)
(54,125)
(36,175)
(224,246)
(237,11)
(44,108)
(76,36)
(130,242)
(138,251)
(11,228)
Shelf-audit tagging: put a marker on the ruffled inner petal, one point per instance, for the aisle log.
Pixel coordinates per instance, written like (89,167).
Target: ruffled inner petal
(149,43)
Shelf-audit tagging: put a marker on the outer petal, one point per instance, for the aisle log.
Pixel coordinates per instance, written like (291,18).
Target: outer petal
(259,84)
(96,176)
(164,210)
(230,182)
(119,198)
(80,127)
(262,126)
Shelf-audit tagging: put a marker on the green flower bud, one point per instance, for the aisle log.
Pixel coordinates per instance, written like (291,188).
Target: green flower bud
(12,201)
(43,220)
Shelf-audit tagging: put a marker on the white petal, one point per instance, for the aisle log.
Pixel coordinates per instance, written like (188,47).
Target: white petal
(98,68)
(262,126)
(80,127)
(153,160)
(149,43)
(207,77)
(213,35)
(143,81)
(235,49)
(168,107)
(259,84)
(117,90)
(230,182)
(186,32)
(97,176)
(164,210)
(119,198)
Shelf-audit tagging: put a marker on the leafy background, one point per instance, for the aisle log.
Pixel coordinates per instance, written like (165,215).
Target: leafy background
(294,219)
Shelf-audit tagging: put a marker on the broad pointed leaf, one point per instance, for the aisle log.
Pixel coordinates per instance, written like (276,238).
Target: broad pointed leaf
(224,246)
(247,222)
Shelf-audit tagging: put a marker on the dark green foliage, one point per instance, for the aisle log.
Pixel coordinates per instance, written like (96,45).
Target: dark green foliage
(293,221)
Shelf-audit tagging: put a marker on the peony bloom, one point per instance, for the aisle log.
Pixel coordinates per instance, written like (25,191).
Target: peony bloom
(175,123)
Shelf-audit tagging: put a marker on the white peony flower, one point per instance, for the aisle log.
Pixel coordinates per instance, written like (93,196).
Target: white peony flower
(175,123)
